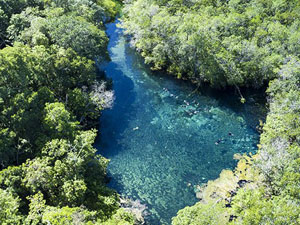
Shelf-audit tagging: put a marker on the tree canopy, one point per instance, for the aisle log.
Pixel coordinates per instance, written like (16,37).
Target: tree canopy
(50,99)
(237,43)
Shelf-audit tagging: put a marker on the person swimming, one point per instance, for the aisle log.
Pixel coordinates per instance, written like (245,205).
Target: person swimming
(218,141)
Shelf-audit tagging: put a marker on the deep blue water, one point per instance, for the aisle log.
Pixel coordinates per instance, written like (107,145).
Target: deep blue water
(163,138)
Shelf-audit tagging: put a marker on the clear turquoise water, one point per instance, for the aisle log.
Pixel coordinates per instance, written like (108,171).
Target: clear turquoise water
(161,136)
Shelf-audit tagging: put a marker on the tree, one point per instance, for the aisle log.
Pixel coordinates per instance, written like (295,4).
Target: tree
(68,216)
(76,33)
(9,208)
(58,121)
(210,213)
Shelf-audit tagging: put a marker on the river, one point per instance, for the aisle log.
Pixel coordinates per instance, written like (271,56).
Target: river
(163,138)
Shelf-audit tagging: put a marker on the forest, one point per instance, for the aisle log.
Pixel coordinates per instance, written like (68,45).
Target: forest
(52,94)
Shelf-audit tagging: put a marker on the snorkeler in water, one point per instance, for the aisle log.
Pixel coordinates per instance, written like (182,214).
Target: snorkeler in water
(218,141)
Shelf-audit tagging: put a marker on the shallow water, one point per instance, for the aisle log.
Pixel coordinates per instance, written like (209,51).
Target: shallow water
(163,138)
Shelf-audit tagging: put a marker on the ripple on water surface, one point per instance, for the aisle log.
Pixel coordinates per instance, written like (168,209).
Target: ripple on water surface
(163,139)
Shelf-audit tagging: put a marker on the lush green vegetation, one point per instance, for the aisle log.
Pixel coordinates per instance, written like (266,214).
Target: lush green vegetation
(221,42)
(235,43)
(50,98)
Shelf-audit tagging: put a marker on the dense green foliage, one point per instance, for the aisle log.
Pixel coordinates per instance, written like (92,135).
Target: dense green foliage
(50,98)
(235,42)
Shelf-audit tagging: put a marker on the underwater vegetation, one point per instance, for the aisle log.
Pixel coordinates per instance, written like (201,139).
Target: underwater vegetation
(164,139)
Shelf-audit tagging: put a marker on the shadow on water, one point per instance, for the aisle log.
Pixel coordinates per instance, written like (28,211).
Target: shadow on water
(162,138)
(122,111)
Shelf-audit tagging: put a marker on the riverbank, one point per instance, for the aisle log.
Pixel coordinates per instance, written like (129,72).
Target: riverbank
(49,94)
